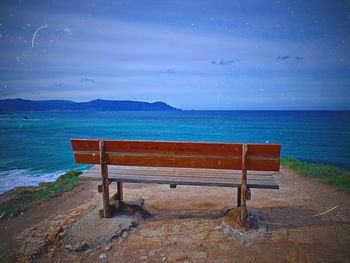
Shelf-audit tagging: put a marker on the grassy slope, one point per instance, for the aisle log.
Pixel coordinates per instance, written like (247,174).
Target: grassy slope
(18,200)
(325,173)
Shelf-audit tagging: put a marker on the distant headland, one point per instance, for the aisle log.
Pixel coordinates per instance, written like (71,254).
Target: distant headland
(22,105)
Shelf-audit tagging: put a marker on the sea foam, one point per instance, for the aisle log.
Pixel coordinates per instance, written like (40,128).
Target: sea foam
(25,177)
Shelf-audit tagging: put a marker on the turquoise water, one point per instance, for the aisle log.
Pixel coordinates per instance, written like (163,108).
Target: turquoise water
(35,147)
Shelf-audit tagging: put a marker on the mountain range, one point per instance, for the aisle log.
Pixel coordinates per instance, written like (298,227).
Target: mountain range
(22,105)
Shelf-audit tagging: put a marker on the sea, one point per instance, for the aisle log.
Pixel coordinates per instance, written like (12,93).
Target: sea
(35,146)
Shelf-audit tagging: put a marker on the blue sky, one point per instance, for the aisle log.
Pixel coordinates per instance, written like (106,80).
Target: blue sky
(190,54)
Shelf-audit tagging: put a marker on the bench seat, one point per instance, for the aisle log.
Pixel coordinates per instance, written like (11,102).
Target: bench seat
(183,176)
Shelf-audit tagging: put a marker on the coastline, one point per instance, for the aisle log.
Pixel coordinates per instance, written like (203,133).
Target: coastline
(13,201)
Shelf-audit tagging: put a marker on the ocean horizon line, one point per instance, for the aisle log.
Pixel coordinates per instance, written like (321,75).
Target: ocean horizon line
(186,110)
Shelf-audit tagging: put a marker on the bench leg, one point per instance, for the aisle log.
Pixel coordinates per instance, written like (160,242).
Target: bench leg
(105,181)
(238,197)
(243,196)
(105,198)
(120,192)
(243,205)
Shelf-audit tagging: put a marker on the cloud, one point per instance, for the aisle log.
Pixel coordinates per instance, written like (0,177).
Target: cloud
(284,57)
(161,59)
(68,31)
(223,62)
(87,80)
(292,59)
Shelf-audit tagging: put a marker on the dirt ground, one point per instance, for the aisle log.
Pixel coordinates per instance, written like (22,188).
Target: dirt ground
(186,224)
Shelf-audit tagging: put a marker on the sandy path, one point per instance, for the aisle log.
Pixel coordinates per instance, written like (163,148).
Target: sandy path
(183,227)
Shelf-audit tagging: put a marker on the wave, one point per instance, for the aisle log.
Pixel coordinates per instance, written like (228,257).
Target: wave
(23,119)
(25,177)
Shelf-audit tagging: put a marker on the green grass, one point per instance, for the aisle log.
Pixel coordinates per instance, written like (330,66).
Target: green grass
(19,200)
(328,174)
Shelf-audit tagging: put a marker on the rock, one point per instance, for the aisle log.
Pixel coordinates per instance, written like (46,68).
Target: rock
(40,238)
(54,235)
(118,254)
(60,235)
(151,253)
(175,257)
(108,247)
(95,232)
(247,237)
(69,247)
(80,247)
(199,256)
(69,221)
(217,227)
(143,257)
(102,256)
(75,213)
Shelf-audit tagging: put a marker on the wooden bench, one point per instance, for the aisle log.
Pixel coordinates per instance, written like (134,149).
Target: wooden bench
(178,163)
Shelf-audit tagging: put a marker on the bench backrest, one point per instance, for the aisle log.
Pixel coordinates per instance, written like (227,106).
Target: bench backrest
(258,157)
